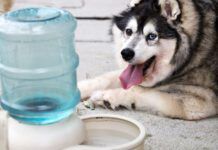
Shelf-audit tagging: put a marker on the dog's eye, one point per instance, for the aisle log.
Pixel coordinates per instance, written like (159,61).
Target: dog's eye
(151,37)
(128,32)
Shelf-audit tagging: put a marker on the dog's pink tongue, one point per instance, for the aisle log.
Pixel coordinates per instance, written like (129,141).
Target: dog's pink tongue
(132,75)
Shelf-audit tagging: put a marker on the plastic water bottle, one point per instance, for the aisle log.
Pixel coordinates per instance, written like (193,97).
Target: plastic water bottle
(38,65)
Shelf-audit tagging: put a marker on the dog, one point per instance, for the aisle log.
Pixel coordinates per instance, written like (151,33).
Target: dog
(5,5)
(167,51)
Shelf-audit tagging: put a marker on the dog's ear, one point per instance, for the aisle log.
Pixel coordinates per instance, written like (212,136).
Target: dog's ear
(134,2)
(170,9)
(119,22)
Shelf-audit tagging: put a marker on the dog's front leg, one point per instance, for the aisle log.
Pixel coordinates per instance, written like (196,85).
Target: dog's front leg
(184,102)
(107,81)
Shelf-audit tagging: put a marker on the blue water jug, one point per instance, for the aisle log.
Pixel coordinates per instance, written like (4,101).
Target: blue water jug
(38,65)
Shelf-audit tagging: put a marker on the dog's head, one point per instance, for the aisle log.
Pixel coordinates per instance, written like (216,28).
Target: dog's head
(148,39)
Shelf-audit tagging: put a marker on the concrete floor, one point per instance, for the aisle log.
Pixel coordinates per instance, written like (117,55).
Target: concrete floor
(95,48)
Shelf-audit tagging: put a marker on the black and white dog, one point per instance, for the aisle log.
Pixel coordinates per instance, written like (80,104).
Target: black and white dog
(168,54)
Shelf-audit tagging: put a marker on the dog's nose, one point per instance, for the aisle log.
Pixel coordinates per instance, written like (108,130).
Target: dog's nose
(127,54)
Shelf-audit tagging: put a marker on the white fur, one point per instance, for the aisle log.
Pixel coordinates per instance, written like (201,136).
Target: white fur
(143,51)
(149,28)
(163,68)
(134,2)
(132,24)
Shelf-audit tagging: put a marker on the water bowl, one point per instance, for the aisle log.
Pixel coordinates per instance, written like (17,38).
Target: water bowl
(111,132)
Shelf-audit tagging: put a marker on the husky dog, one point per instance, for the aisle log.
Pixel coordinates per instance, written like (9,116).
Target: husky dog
(5,5)
(168,54)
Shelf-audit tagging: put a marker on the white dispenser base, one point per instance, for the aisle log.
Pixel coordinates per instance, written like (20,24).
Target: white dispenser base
(66,133)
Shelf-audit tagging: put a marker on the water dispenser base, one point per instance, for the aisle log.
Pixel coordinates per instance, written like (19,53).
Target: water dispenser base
(61,135)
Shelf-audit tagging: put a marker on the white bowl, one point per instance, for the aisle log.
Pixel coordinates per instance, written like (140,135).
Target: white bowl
(112,132)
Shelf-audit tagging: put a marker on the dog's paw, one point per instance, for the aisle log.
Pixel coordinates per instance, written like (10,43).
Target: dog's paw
(195,115)
(103,99)
(107,99)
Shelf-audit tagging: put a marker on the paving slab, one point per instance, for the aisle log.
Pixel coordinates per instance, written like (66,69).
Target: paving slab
(93,31)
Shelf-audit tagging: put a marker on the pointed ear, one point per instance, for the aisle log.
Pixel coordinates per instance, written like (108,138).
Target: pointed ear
(133,3)
(170,9)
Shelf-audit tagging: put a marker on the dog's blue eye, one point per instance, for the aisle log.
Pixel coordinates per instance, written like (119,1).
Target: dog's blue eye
(151,37)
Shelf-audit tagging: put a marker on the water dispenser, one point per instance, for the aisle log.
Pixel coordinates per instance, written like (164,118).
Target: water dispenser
(38,65)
